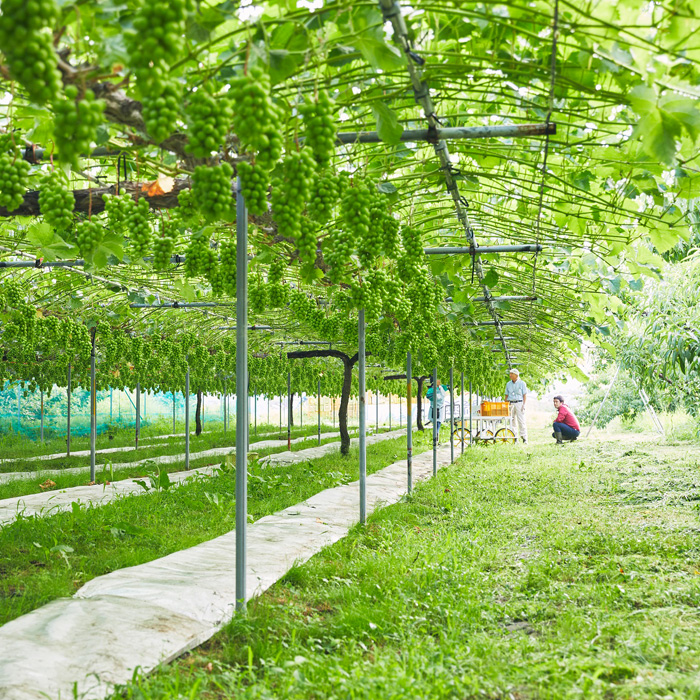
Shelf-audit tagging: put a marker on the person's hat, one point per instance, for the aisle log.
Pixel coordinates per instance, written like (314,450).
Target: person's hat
(516,372)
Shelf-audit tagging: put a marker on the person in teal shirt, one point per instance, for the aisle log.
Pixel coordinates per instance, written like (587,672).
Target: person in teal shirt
(437,400)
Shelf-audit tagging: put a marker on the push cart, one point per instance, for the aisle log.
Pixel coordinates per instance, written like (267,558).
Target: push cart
(492,424)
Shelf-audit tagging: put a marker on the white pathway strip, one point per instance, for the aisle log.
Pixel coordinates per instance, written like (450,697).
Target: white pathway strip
(152,613)
(110,450)
(52,502)
(164,459)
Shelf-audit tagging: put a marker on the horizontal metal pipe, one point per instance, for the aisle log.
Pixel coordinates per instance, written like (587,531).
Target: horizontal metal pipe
(39,263)
(183,305)
(501,323)
(513,298)
(468,132)
(250,328)
(484,249)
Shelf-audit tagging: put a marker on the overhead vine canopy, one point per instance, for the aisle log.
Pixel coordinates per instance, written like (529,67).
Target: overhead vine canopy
(125,126)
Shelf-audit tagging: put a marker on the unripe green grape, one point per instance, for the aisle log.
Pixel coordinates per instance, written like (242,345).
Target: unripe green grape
(161,107)
(209,119)
(27,43)
(211,191)
(198,256)
(257,295)
(227,255)
(75,124)
(320,127)
(324,196)
(138,228)
(255,182)
(88,235)
(164,245)
(14,174)
(291,190)
(56,201)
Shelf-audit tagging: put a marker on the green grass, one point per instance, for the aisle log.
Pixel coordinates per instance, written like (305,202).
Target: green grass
(538,574)
(45,558)
(171,446)
(106,472)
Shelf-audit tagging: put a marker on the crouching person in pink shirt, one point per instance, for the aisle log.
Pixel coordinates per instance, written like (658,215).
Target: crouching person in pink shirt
(566,426)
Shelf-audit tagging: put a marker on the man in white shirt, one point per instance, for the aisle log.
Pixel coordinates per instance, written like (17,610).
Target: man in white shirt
(516,395)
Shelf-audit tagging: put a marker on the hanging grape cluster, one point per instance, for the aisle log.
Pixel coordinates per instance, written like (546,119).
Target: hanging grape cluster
(307,241)
(27,43)
(164,244)
(337,252)
(56,201)
(325,193)
(413,247)
(256,119)
(88,235)
(14,174)
(138,228)
(199,256)
(209,120)
(75,124)
(320,127)
(254,184)
(154,50)
(117,208)
(257,295)
(227,249)
(291,190)
(211,191)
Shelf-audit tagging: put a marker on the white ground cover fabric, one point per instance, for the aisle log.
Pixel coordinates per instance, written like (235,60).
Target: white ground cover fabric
(164,459)
(152,613)
(52,502)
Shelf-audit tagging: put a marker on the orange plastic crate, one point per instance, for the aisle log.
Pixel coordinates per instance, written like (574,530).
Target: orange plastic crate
(495,408)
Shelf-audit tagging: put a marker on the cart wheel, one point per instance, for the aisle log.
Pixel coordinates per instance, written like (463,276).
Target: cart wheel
(457,436)
(505,435)
(485,436)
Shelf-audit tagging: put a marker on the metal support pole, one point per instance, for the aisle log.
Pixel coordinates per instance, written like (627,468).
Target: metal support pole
(409,426)
(301,409)
(255,410)
(93,409)
(111,401)
(280,415)
(389,411)
(173,412)
(318,401)
(363,426)
(289,410)
(187,419)
(471,430)
(242,421)
(377,421)
(41,427)
(68,396)
(138,413)
(461,398)
(452,412)
(435,421)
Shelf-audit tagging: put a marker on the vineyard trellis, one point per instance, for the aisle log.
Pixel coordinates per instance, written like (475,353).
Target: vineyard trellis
(347,235)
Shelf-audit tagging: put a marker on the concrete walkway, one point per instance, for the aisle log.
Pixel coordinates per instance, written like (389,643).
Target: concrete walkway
(52,502)
(150,614)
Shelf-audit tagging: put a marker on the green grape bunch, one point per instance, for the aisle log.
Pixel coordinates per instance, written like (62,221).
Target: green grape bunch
(307,240)
(325,193)
(255,119)
(161,107)
(14,174)
(164,244)
(139,228)
(209,120)
(27,43)
(56,201)
(291,190)
(211,191)
(199,255)
(320,127)
(227,255)
(258,295)
(75,124)
(255,181)
(117,208)
(413,245)
(88,235)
